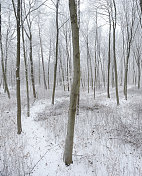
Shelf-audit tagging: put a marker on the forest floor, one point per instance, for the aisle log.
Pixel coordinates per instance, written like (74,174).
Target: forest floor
(107,141)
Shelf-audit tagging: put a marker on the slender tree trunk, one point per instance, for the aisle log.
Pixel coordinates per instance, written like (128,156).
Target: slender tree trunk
(26,67)
(19,126)
(49,66)
(114,55)
(88,80)
(2,60)
(67,53)
(56,59)
(39,69)
(75,85)
(139,76)
(95,73)
(44,79)
(126,71)
(6,54)
(109,48)
(32,69)
(62,70)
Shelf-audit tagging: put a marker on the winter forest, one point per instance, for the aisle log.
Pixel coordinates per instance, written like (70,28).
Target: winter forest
(70,87)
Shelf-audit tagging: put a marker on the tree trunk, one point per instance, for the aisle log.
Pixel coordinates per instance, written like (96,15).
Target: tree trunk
(32,69)
(48,73)
(56,59)
(88,80)
(44,79)
(26,68)
(109,48)
(18,71)
(2,60)
(75,84)
(114,55)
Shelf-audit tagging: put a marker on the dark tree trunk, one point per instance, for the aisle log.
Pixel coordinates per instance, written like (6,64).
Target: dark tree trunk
(32,68)
(19,126)
(56,59)
(75,85)
(109,48)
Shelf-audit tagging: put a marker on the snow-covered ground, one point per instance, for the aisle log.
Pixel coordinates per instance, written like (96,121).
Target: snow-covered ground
(108,138)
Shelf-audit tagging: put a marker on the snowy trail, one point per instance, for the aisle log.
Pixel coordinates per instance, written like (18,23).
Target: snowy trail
(35,136)
(40,147)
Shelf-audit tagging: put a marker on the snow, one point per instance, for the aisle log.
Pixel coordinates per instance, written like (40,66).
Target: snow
(108,138)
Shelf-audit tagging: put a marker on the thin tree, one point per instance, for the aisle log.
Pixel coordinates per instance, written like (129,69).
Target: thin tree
(56,59)
(29,35)
(41,48)
(130,33)
(114,51)
(109,56)
(26,66)
(18,92)
(48,73)
(75,84)
(2,60)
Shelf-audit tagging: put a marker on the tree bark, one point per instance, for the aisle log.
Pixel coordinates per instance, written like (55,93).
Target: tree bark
(31,62)
(19,126)
(56,59)
(2,60)
(49,66)
(44,79)
(114,54)
(26,67)
(109,48)
(75,84)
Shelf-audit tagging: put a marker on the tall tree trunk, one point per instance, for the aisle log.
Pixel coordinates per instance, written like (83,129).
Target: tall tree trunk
(49,66)
(2,60)
(32,68)
(39,68)
(62,70)
(67,53)
(139,76)
(75,84)
(114,54)
(19,126)
(95,72)
(109,48)
(88,80)
(44,79)
(56,59)
(26,67)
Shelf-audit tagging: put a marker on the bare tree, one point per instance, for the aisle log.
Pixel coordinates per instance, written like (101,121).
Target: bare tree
(41,48)
(2,60)
(18,92)
(26,66)
(56,59)
(114,49)
(75,84)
